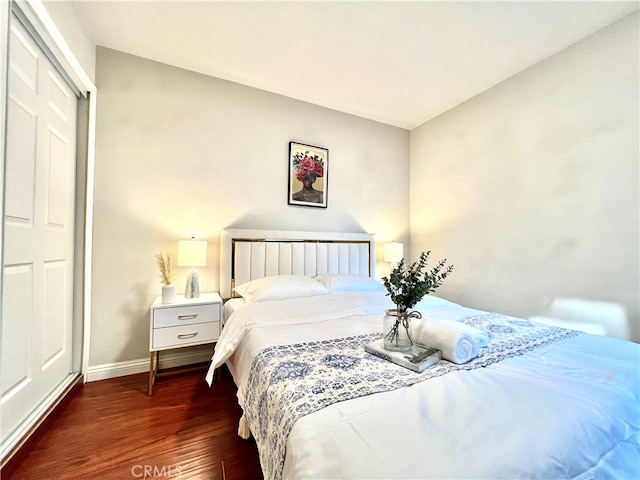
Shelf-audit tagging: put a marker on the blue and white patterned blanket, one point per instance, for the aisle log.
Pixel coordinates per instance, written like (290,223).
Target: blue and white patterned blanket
(287,382)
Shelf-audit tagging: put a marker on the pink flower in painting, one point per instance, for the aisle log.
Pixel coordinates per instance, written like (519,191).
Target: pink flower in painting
(318,169)
(308,167)
(306,164)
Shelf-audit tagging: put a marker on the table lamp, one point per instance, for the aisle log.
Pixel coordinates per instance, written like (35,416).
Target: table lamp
(192,253)
(393,253)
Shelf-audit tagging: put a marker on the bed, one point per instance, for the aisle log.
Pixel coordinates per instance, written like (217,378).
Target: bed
(538,402)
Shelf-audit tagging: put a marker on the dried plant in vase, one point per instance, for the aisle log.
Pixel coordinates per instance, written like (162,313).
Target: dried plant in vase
(407,285)
(165,261)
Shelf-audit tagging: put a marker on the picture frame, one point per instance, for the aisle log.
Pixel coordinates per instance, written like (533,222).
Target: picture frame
(308,175)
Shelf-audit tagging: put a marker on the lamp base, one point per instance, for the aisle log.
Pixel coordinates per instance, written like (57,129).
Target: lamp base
(192,290)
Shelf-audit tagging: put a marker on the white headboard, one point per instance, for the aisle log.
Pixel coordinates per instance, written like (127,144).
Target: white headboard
(249,254)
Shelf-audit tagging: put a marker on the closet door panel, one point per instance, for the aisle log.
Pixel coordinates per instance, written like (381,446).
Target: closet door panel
(37,299)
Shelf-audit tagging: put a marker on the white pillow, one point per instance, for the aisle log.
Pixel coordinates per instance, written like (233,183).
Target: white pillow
(280,287)
(342,283)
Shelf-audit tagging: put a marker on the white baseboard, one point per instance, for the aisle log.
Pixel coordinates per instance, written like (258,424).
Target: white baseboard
(168,359)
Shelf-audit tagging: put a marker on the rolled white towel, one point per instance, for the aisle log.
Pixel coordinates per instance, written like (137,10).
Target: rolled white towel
(481,337)
(454,339)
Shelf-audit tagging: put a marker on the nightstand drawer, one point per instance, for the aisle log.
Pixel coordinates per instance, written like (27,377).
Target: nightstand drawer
(185,335)
(185,315)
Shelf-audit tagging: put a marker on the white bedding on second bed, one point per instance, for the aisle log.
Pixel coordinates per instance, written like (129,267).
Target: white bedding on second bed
(570,409)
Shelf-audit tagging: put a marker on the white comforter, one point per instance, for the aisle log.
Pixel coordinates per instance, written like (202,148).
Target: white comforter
(567,410)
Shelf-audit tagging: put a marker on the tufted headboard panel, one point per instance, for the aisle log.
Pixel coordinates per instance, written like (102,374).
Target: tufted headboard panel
(249,254)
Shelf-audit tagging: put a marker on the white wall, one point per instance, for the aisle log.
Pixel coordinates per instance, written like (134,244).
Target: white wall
(65,17)
(181,154)
(531,188)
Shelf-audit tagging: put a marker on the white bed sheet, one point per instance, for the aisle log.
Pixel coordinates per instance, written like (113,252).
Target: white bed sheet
(566,410)
(231,306)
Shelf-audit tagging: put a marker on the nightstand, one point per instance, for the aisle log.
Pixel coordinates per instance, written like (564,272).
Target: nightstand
(185,323)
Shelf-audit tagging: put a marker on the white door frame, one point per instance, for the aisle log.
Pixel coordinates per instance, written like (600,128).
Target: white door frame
(5,14)
(40,20)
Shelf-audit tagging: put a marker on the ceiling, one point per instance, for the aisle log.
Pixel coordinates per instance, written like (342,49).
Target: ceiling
(400,63)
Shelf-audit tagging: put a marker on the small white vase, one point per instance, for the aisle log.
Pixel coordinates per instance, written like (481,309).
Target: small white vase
(169,294)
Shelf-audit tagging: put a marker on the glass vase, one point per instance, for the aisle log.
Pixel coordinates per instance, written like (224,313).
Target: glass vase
(396,330)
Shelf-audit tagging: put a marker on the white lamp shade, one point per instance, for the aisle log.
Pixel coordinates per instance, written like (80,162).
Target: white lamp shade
(393,252)
(192,253)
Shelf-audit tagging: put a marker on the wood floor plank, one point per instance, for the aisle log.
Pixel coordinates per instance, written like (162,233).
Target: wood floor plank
(113,430)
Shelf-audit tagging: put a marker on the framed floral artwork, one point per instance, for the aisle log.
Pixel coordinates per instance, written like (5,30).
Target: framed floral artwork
(308,174)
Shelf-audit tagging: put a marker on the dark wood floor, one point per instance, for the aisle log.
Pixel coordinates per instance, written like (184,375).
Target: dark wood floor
(113,430)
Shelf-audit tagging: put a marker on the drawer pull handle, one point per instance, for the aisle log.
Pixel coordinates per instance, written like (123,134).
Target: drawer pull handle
(187,317)
(182,336)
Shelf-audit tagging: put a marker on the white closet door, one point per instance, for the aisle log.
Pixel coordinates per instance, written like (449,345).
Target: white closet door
(39,231)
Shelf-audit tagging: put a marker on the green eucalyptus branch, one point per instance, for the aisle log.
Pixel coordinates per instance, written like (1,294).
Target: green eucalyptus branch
(407,284)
